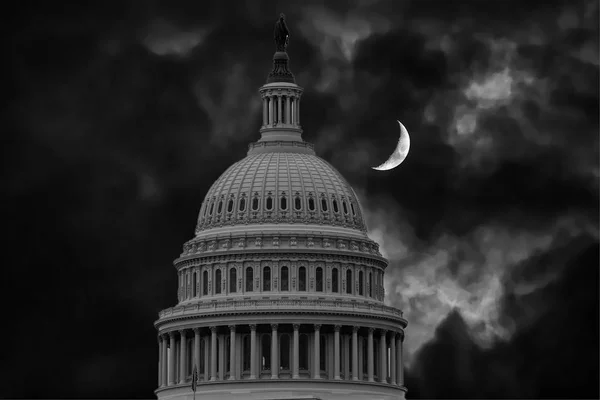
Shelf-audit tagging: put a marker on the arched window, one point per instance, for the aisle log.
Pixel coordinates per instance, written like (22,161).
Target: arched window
(370,283)
(324,204)
(218,281)
(205,283)
(303,352)
(302,279)
(345,207)
(284,351)
(334,280)
(242,204)
(335,206)
(298,203)
(220,207)
(311,204)
(187,286)
(323,353)
(283,203)
(269,203)
(266,278)
(265,361)
(319,279)
(232,280)
(249,279)
(255,204)
(360,283)
(349,282)
(245,352)
(194,284)
(353,211)
(230,205)
(212,207)
(285,279)
(205,209)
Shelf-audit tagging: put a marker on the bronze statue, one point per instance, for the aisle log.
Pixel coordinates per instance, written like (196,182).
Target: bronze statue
(282,35)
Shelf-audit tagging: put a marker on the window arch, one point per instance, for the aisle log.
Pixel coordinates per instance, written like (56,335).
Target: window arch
(345,207)
(360,283)
(249,279)
(303,352)
(324,204)
(334,280)
(269,203)
(230,205)
(319,279)
(266,278)
(349,281)
(242,206)
(352,208)
(283,203)
(302,279)
(311,204)
(194,284)
(370,283)
(297,203)
(212,207)
(255,204)
(232,280)
(218,281)
(335,206)
(265,342)
(284,351)
(220,207)
(205,283)
(285,279)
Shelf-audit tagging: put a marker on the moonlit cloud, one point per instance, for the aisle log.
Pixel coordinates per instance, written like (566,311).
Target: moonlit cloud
(164,38)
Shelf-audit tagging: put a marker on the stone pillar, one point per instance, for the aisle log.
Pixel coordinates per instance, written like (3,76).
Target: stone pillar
(165,363)
(279,113)
(232,369)
(296,359)
(206,358)
(383,352)
(196,357)
(393,359)
(182,357)
(399,360)
(336,352)
(160,359)
(370,355)
(221,368)
(288,111)
(265,111)
(317,353)
(172,358)
(253,360)
(298,111)
(270,100)
(274,348)
(213,353)
(355,353)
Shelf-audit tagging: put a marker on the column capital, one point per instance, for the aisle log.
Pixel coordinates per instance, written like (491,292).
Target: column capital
(355,328)
(274,326)
(183,332)
(382,332)
(213,329)
(371,330)
(296,327)
(159,338)
(401,335)
(317,327)
(252,327)
(337,328)
(196,331)
(232,328)
(172,334)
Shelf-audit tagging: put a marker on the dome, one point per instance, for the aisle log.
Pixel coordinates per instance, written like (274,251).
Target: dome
(281,187)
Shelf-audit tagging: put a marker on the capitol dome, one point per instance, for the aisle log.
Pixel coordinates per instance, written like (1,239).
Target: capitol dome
(280,290)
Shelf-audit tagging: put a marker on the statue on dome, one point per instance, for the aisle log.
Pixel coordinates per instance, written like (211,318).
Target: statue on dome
(281,33)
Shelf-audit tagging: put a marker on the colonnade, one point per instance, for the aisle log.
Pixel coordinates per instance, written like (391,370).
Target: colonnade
(281,109)
(263,351)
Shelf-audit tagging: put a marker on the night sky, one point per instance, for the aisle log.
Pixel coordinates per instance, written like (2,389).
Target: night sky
(118,116)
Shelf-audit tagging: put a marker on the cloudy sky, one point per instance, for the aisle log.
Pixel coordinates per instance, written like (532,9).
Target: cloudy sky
(119,116)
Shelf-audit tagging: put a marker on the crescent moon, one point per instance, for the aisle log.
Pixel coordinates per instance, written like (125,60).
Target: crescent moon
(399,153)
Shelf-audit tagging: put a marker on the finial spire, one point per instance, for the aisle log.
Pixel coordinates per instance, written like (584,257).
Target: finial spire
(281,72)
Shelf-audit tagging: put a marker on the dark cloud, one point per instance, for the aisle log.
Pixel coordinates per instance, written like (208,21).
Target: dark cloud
(118,120)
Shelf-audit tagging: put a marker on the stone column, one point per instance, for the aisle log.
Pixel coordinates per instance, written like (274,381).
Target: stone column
(206,358)
(160,359)
(172,358)
(361,372)
(399,361)
(270,102)
(265,111)
(383,352)
(355,353)
(317,353)
(336,352)
(232,369)
(298,111)
(197,349)
(253,360)
(288,111)
(165,363)
(213,353)
(221,367)
(370,355)
(274,348)
(393,359)
(182,357)
(296,359)
(279,113)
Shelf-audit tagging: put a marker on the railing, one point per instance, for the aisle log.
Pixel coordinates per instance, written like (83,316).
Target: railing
(279,304)
(281,143)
